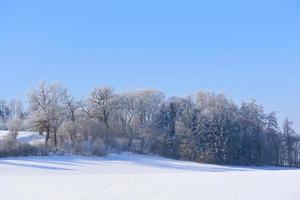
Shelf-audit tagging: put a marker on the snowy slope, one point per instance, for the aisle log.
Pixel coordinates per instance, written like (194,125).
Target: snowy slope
(25,137)
(139,177)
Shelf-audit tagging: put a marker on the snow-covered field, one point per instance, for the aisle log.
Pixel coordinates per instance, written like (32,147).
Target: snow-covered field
(139,177)
(25,137)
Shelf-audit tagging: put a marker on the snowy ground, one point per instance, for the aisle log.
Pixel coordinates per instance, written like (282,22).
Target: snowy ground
(139,177)
(25,137)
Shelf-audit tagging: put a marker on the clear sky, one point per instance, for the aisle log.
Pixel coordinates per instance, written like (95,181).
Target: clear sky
(244,48)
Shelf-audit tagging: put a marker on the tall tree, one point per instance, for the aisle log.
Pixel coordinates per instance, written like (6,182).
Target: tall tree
(101,106)
(71,106)
(289,141)
(47,108)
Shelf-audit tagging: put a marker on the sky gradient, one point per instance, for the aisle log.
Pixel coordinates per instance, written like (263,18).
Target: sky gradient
(245,49)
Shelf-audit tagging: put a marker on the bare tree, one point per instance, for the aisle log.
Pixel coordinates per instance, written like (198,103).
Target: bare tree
(100,107)
(14,126)
(147,105)
(39,107)
(125,111)
(46,103)
(71,106)
(16,108)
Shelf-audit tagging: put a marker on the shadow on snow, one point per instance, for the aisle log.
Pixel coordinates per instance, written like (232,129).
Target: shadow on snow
(125,159)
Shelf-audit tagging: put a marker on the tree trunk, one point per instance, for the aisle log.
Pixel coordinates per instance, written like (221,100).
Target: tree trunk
(55,139)
(47,137)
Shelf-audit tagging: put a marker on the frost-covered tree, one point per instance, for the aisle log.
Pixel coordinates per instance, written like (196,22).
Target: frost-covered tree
(146,106)
(47,109)
(252,124)
(14,126)
(271,154)
(4,110)
(290,142)
(16,109)
(100,107)
(72,107)
(166,124)
(125,110)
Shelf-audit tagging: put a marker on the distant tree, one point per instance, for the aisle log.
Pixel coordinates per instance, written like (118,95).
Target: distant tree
(14,126)
(272,140)
(4,110)
(290,141)
(166,123)
(252,124)
(16,109)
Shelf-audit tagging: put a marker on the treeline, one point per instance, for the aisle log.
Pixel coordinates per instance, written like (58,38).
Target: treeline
(10,110)
(205,127)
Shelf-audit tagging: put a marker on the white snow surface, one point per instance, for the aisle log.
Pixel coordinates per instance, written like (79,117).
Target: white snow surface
(129,176)
(25,137)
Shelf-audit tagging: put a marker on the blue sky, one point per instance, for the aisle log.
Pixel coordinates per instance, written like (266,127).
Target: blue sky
(246,49)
